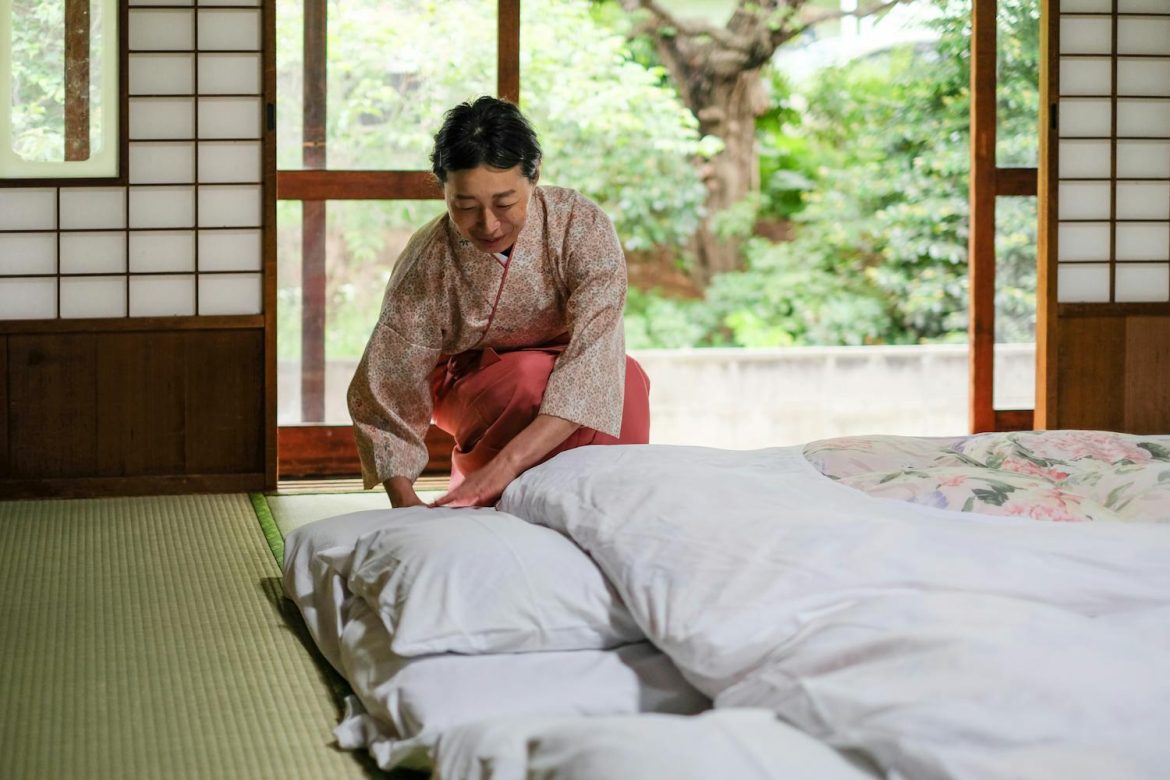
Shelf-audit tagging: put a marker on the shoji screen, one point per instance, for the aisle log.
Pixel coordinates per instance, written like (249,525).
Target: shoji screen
(143,309)
(1107,361)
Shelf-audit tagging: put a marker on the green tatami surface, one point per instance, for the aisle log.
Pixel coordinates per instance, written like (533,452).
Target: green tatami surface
(145,638)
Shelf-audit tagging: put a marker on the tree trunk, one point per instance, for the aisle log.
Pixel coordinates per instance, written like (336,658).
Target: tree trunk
(733,174)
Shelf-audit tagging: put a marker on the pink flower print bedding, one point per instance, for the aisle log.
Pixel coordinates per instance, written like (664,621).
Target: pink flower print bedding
(1069,476)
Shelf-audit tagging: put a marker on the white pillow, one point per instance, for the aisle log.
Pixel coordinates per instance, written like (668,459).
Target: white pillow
(481,581)
(407,703)
(312,582)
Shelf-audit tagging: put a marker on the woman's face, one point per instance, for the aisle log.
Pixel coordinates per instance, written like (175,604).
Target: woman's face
(488,205)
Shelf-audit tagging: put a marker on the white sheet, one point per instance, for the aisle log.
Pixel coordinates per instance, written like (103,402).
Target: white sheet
(407,703)
(941,645)
(745,744)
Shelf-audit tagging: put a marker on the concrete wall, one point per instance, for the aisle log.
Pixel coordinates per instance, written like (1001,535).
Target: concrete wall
(746,398)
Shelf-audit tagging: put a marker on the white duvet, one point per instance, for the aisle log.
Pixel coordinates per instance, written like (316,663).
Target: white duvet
(940,645)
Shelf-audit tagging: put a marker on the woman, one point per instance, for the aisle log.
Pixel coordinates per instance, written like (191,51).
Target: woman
(502,321)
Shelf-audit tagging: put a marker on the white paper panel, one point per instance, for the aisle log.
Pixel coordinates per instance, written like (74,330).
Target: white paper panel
(93,296)
(229,74)
(229,162)
(1148,118)
(229,294)
(162,207)
(1086,6)
(162,30)
(1143,6)
(229,30)
(1143,200)
(162,296)
(160,2)
(230,250)
(1081,242)
(1143,77)
(1080,117)
(230,2)
(162,74)
(1084,159)
(1148,282)
(1143,159)
(1143,241)
(1086,76)
(1083,200)
(229,118)
(1143,35)
(162,163)
(31,298)
(1086,35)
(1077,283)
(162,118)
(28,209)
(93,253)
(28,253)
(86,209)
(224,206)
(155,251)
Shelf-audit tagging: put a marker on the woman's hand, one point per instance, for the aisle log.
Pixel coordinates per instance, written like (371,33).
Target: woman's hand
(401,492)
(481,488)
(484,487)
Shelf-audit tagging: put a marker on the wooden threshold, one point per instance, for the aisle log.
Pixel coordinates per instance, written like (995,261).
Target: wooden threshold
(311,451)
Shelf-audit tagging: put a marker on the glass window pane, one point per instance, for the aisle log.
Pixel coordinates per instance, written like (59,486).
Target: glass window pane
(393,68)
(59,111)
(362,242)
(1018,84)
(1015,303)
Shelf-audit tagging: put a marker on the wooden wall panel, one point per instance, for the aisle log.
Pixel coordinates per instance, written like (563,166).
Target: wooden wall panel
(133,412)
(1147,374)
(3,406)
(52,429)
(225,402)
(141,400)
(1091,374)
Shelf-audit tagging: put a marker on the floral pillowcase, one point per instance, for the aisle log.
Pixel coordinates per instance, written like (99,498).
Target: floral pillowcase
(1043,475)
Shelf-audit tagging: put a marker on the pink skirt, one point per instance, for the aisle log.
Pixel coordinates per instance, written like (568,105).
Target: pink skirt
(483,398)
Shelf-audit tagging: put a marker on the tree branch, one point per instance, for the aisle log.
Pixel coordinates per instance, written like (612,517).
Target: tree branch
(860,13)
(696,28)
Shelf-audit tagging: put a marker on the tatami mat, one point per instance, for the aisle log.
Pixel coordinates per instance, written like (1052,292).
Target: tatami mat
(291,507)
(144,638)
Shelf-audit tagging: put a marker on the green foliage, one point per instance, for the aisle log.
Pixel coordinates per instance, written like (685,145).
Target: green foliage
(880,254)
(654,321)
(608,125)
(787,169)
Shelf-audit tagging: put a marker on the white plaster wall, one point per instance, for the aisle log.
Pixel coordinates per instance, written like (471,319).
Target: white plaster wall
(746,398)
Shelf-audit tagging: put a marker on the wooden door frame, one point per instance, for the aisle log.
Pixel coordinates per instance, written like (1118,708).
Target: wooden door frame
(310,450)
(987,183)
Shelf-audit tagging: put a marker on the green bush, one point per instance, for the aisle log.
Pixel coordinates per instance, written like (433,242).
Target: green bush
(880,253)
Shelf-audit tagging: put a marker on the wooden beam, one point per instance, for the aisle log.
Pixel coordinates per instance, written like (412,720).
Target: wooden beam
(981,247)
(357,185)
(218,322)
(313,215)
(1013,419)
(330,451)
(508,51)
(1047,317)
(92,487)
(1016,182)
(77,80)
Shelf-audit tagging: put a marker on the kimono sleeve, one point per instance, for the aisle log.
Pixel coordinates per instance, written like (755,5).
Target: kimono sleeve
(587,385)
(389,396)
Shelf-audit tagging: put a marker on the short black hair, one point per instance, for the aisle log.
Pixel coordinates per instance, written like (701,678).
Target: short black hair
(488,131)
